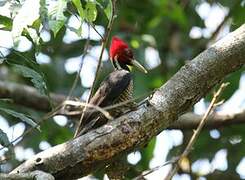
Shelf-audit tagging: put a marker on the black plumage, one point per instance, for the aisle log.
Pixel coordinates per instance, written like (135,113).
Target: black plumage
(116,88)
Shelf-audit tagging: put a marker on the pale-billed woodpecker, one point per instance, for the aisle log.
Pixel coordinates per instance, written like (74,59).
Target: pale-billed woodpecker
(116,88)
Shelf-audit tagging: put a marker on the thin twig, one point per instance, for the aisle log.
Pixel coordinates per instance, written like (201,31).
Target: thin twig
(110,107)
(93,26)
(82,104)
(104,43)
(85,51)
(196,132)
(173,160)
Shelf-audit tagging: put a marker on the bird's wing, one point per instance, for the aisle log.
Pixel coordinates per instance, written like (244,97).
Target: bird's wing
(110,89)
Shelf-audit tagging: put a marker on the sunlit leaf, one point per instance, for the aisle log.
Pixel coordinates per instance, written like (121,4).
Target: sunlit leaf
(5,23)
(77,31)
(91,11)
(21,116)
(56,25)
(108,10)
(36,78)
(57,18)
(79,7)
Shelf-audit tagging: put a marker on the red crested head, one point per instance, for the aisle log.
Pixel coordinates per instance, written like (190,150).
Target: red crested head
(119,50)
(121,55)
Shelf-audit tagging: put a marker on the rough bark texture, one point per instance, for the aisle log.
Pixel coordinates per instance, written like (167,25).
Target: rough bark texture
(84,154)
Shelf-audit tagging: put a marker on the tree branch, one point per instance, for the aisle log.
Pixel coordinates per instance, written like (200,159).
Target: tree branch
(28,96)
(193,81)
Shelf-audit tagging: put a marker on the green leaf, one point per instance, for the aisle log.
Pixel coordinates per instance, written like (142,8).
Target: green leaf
(5,23)
(56,16)
(56,25)
(21,116)
(108,10)
(91,11)
(79,7)
(36,78)
(77,31)
(147,154)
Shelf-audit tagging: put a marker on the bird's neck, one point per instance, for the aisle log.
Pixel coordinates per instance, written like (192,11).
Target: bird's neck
(117,65)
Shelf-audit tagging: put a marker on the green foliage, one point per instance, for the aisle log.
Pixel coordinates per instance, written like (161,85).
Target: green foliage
(147,154)
(79,7)
(36,78)
(5,23)
(239,16)
(108,10)
(57,18)
(90,11)
(21,116)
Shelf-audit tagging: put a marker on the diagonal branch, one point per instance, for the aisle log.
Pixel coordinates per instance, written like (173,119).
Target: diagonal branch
(193,81)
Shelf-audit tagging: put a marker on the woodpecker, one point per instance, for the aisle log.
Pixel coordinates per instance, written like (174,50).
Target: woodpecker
(116,88)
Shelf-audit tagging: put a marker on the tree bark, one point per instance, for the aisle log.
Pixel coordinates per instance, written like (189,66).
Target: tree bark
(82,155)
